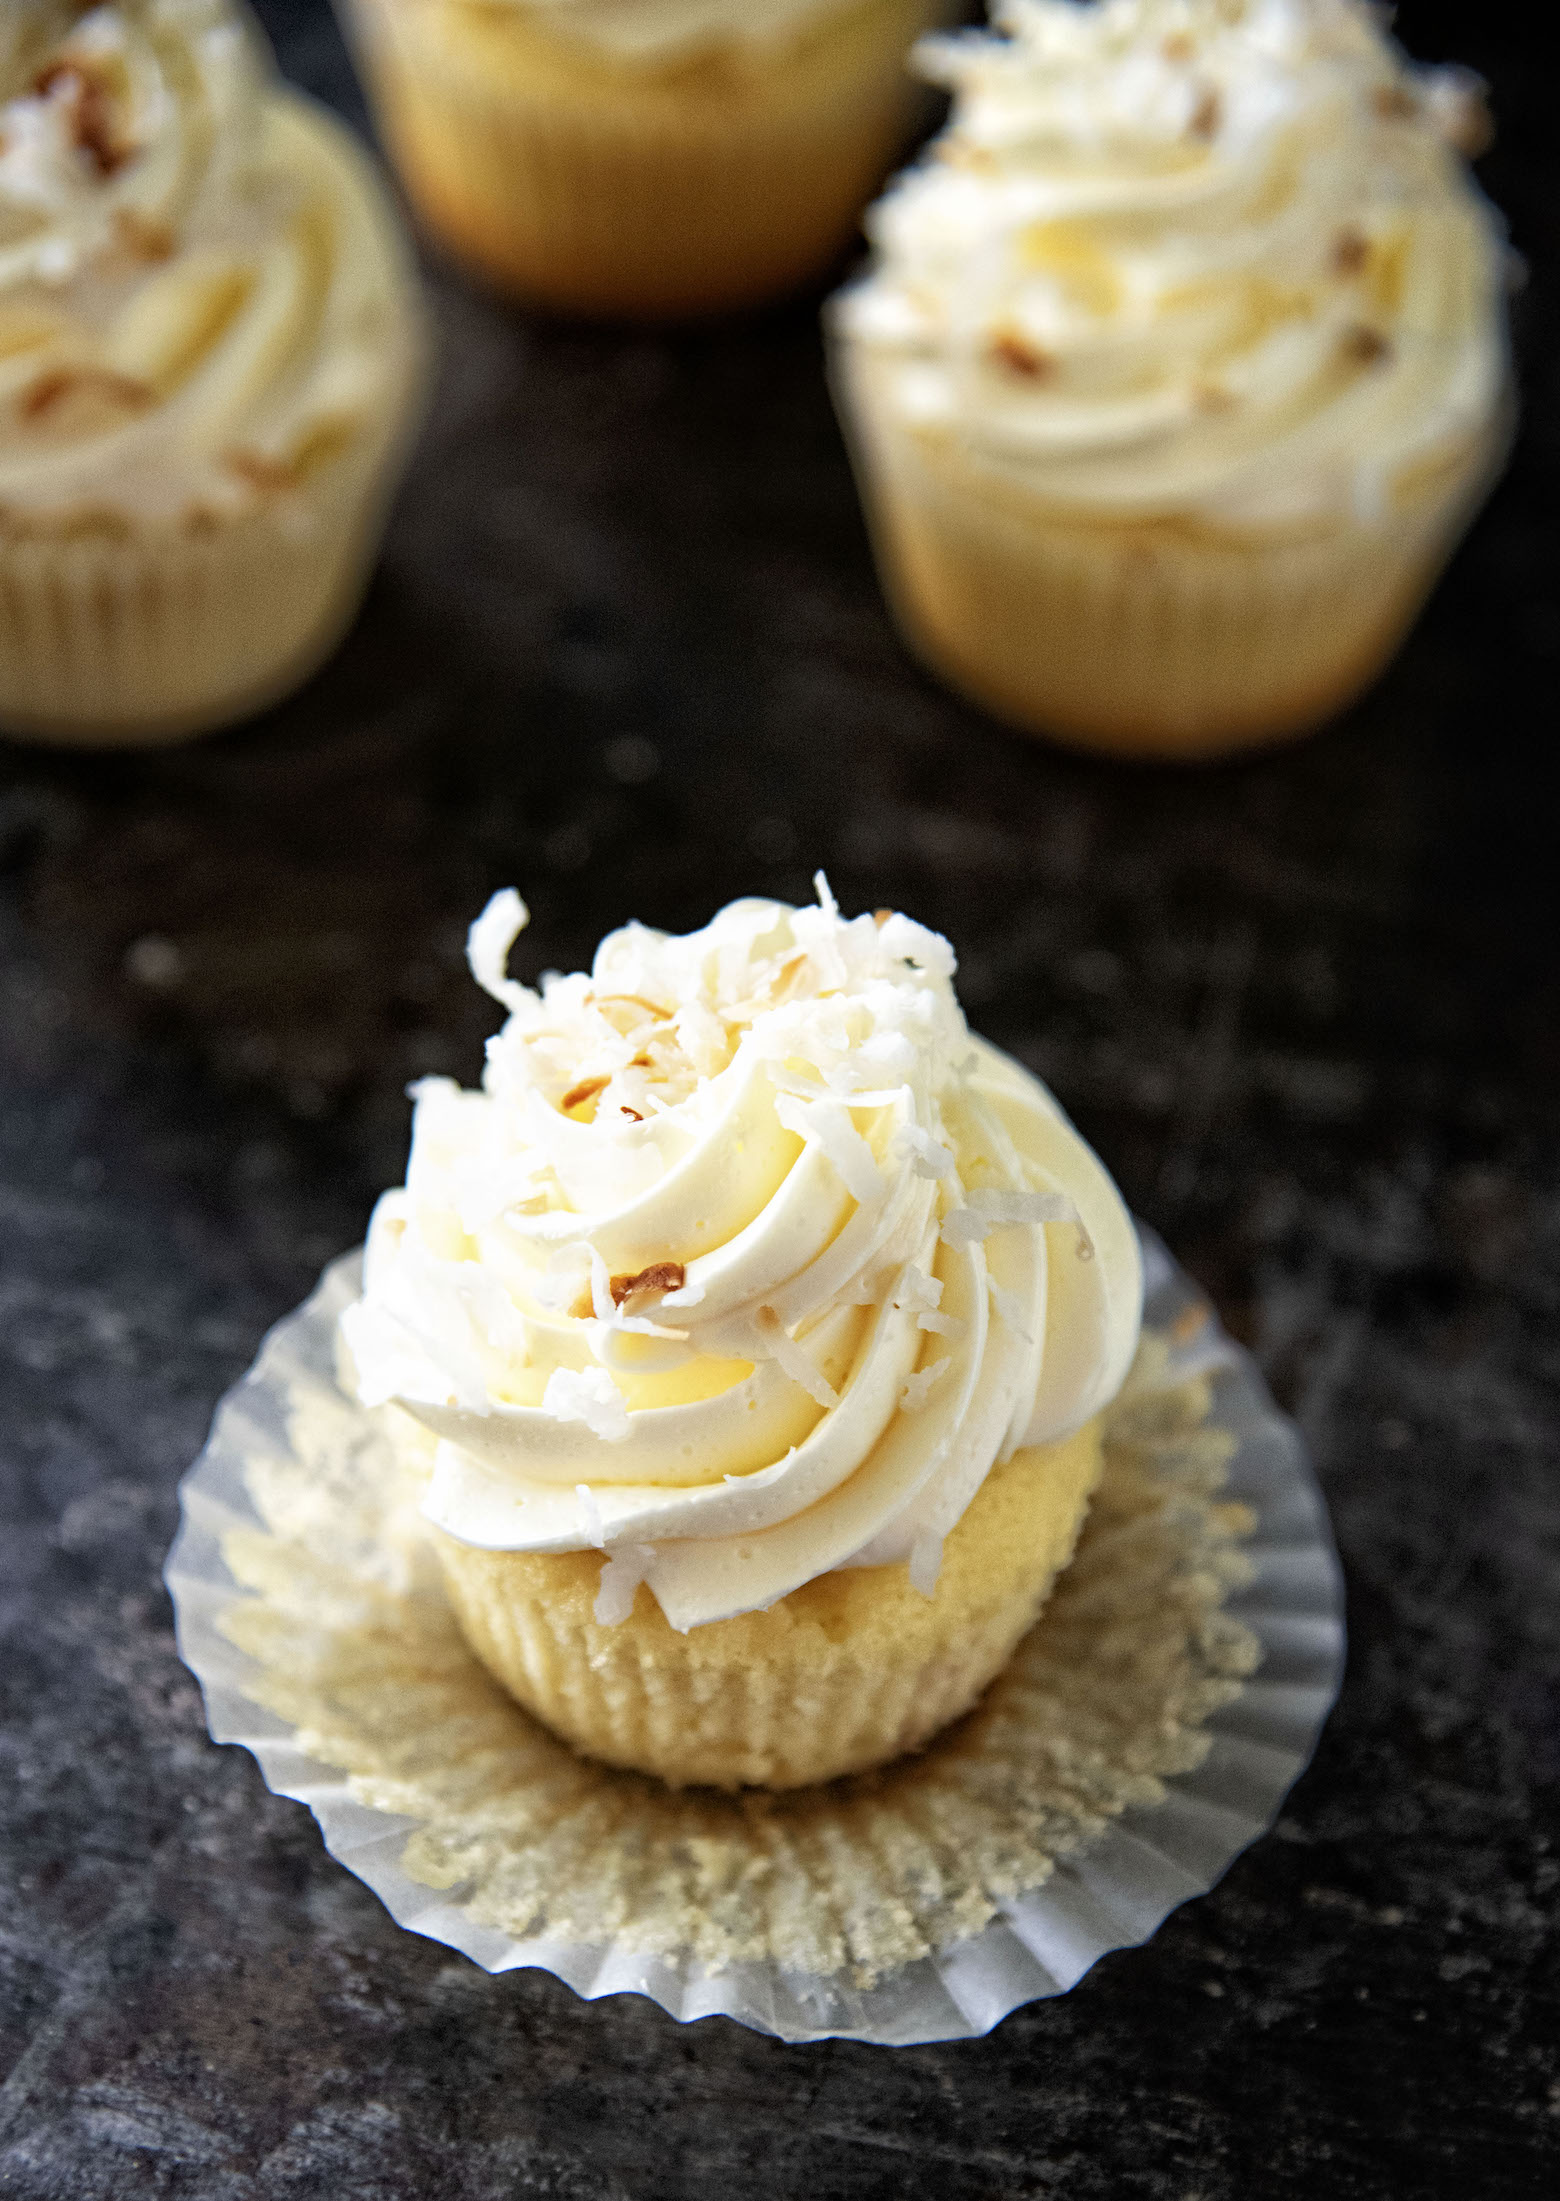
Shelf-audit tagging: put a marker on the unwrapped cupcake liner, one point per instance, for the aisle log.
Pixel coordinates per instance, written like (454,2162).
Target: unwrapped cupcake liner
(1137,640)
(1145,1732)
(600,196)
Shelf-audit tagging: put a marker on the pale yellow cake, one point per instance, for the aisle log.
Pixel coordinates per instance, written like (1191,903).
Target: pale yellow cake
(851,1670)
(679,176)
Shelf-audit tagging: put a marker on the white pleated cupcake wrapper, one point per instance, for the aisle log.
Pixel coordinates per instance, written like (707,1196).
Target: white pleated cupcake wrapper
(1109,1893)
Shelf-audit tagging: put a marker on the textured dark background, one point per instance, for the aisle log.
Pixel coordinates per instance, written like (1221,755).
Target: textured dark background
(626,650)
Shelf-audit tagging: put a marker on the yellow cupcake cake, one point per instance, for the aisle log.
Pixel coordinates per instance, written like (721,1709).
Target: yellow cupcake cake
(645,158)
(1181,367)
(211,355)
(754,1321)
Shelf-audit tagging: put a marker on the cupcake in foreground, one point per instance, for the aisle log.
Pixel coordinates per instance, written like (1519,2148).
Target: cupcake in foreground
(755,1321)
(211,353)
(646,158)
(1181,367)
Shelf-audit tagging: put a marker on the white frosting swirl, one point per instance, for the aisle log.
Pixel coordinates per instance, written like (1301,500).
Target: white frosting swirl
(1191,257)
(746,1262)
(202,294)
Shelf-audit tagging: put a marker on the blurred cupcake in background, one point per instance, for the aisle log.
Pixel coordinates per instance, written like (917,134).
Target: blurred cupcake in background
(1181,367)
(642,158)
(211,356)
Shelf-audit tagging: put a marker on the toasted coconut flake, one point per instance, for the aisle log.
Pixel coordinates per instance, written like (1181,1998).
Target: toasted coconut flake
(91,114)
(52,389)
(587,1089)
(145,240)
(1014,353)
(1206,115)
(660,1276)
(640,1010)
(1366,347)
(269,475)
(1351,249)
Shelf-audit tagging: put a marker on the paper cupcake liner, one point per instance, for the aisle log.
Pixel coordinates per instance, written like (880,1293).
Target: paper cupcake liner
(1146,1731)
(582,191)
(1137,641)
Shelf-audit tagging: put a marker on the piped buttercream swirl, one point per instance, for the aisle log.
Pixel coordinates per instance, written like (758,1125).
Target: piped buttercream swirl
(201,297)
(1209,258)
(747,1261)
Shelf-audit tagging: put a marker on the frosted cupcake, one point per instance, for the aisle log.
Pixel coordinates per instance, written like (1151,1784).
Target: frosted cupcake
(642,157)
(755,1321)
(1181,366)
(211,352)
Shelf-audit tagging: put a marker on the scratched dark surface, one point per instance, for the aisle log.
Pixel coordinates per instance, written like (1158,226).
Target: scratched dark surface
(626,650)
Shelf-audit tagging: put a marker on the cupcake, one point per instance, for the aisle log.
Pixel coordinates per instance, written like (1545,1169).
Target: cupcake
(645,158)
(1180,368)
(211,354)
(753,1323)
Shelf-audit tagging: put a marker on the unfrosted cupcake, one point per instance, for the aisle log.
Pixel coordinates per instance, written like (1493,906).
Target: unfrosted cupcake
(1181,366)
(642,157)
(756,1321)
(211,353)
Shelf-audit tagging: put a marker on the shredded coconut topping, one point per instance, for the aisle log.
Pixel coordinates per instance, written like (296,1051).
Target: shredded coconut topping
(200,300)
(1116,276)
(666,1278)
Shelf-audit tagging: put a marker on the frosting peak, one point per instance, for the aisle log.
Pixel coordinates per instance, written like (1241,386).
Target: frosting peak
(747,1261)
(1207,256)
